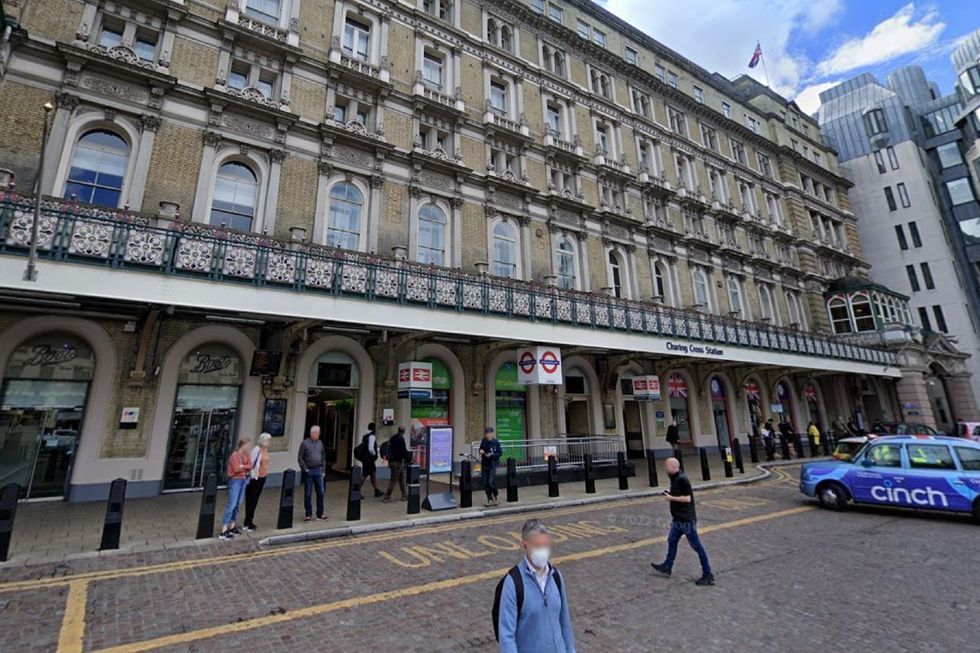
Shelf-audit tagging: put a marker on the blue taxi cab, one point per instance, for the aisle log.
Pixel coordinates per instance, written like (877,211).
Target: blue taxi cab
(929,472)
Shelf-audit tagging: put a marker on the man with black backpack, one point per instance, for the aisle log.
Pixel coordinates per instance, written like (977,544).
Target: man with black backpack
(530,607)
(367,454)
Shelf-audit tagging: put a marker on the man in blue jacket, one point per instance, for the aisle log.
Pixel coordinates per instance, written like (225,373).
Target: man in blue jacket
(541,623)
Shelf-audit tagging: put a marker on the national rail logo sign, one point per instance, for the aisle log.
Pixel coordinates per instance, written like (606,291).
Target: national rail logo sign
(414,380)
(539,365)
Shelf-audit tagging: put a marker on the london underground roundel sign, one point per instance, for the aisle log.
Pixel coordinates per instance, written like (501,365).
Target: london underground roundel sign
(539,365)
(527,362)
(549,362)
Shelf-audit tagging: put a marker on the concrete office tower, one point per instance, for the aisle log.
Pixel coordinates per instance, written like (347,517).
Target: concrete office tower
(966,62)
(898,143)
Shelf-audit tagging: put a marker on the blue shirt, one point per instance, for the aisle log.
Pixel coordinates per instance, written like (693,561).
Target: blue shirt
(544,625)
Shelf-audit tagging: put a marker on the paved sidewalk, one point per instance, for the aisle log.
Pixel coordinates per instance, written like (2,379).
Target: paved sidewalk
(56,532)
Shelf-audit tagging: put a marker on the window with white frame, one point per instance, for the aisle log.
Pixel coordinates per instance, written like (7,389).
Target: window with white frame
(115,32)
(553,118)
(746,193)
(583,29)
(767,303)
(632,56)
(350,109)
(717,184)
(682,166)
(599,37)
(726,233)
(537,6)
(97,171)
(556,13)
(435,134)
(726,109)
(660,73)
(675,119)
(344,216)
(840,315)
(500,34)
(617,274)
(432,226)
(561,177)
(357,39)
(268,11)
(698,94)
(243,75)
(699,283)
(504,158)
(735,302)
(433,69)
(236,189)
(693,222)
(661,282)
(565,263)
(600,83)
(752,124)
(671,79)
(498,97)
(505,250)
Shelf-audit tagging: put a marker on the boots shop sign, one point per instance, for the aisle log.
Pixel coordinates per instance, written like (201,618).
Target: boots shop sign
(539,366)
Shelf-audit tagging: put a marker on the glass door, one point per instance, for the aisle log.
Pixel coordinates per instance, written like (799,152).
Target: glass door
(201,437)
(40,422)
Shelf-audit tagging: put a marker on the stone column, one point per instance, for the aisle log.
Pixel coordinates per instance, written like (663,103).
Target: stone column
(200,211)
(276,157)
(148,126)
(962,402)
(374,212)
(911,389)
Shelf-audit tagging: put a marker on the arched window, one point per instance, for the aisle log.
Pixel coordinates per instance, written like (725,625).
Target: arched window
(700,282)
(840,316)
(492,31)
(432,235)
(617,274)
(864,320)
(559,67)
(236,189)
(505,250)
(660,282)
(546,58)
(795,307)
(98,168)
(565,266)
(344,229)
(506,38)
(735,295)
(767,303)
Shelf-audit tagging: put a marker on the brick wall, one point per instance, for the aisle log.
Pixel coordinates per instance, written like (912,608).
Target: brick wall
(174,166)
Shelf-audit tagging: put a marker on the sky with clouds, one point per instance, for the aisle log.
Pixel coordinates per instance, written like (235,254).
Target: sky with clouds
(808,45)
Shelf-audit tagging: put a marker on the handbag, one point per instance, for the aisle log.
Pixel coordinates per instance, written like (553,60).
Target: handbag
(253,474)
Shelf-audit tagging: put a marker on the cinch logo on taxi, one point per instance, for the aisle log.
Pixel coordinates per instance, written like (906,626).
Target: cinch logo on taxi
(919,496)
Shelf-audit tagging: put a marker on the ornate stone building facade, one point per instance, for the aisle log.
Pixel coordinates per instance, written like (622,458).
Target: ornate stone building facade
(359,183)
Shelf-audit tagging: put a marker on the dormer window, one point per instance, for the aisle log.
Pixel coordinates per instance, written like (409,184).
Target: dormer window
(357,39)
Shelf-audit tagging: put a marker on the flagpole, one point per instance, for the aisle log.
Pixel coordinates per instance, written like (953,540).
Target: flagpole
(762,58)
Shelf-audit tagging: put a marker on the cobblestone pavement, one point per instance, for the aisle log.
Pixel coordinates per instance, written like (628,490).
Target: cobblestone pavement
(790,577)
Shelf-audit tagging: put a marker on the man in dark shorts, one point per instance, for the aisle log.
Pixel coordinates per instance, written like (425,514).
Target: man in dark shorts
(369,467)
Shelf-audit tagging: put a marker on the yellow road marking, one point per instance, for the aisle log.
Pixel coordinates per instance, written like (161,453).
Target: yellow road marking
(70,638)
(415,590)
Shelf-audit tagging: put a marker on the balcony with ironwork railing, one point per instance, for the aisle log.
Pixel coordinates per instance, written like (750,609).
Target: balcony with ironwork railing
(115,240)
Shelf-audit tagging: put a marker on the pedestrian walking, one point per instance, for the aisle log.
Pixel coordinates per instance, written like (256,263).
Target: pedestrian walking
(813,433)
(684,523)
(530,608)
(256,479)
(768,434)
(673,433)
(312,459)
(239,464)
(490,453)
(367,454)
(398,457)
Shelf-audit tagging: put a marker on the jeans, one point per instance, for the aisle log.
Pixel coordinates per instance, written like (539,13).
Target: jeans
(252,493)
(236,487)
(313,478)
(687,529)
(397,478)
(489,475)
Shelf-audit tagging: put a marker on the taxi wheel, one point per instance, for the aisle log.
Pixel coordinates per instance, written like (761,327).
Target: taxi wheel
(832,496)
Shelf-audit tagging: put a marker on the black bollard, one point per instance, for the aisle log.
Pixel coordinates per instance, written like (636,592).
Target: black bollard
(826,446)
(679,455)
(705,470)
(552,476)
(652,468)
(8,509)
(784,446)
(753,451)
(112,529)
(511,480)
(465,484)
(209,499)
(285,519)
(414,498)
(738,457)
(354,494)
(589,474)
(624,481)
(726,461)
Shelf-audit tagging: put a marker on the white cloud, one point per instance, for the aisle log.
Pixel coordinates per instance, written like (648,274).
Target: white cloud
(720,35)
(893,37)
(809,98)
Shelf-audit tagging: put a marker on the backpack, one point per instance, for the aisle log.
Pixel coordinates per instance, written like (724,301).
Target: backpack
(361,452)
(385,449)
(515,574)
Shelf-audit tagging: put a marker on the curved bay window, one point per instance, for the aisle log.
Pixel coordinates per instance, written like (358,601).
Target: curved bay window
(432,235)
(98,169)
(840,316)
(236,190)
(505,250)
(346,205)
(864,319)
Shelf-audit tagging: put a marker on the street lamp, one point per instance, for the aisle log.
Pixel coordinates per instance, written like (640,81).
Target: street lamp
(30,273)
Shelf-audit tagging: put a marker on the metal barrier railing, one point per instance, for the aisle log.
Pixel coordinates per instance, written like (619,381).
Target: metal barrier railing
(568,451)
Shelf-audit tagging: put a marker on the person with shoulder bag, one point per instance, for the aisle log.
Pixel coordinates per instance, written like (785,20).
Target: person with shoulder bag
(367,454)
(256,482)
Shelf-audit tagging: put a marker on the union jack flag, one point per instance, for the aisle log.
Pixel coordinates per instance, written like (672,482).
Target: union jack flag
(756,56)
(752,390)
(676,387)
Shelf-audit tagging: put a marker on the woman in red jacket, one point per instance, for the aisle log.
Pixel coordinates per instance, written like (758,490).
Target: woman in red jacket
(239,464)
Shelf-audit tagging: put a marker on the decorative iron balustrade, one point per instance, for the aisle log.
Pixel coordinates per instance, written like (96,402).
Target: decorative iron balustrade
(79,233)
